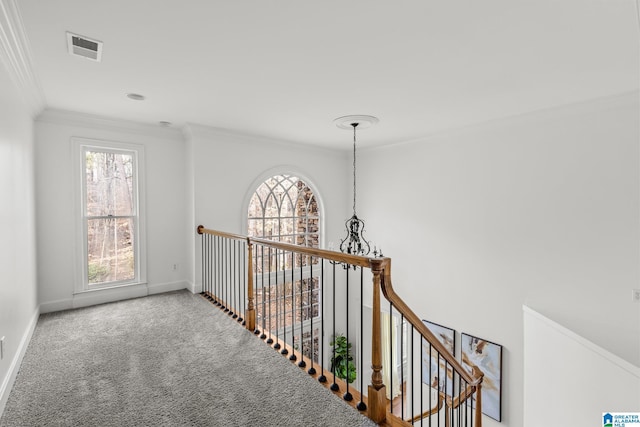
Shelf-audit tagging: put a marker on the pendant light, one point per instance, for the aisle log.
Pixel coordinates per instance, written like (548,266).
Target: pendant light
(355,243)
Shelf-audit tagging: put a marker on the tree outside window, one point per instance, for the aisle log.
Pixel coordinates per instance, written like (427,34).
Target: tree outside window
(110,216)
(285,209)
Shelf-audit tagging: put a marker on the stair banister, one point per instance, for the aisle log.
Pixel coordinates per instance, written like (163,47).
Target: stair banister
(377,394)
(474,379)
(381,270)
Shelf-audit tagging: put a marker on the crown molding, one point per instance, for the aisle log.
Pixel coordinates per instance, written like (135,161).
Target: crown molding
(623,100)
(90,121)
(193,131)
(15,54)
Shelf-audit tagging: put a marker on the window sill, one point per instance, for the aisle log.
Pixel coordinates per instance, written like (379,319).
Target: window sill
(132,285)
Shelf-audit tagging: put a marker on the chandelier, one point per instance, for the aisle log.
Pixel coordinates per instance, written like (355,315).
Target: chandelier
(355,243)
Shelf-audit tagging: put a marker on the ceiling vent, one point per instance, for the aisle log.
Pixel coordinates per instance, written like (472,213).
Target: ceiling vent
(84,47)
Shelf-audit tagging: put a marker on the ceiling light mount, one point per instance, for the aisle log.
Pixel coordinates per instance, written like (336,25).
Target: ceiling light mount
(361,121)
(136,96)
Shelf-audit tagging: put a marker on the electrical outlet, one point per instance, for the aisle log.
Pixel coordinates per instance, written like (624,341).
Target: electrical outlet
(176,267)
(636,295)
(1,348)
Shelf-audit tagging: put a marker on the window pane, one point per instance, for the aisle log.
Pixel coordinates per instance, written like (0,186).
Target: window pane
(255,227)
(286,206)
(109,183)
(286,229)
(272,207)
(110,250)
(255,205)
(271,228)
(289,210)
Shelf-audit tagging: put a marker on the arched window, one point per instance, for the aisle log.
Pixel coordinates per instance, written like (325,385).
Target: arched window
(284,208)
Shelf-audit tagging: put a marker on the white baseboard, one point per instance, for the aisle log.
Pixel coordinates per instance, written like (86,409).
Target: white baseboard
(168,287)
(10,378)
(195,288)
(58,305)
(101,296)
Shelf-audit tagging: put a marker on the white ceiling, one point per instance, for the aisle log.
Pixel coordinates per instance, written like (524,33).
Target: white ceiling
(284,69)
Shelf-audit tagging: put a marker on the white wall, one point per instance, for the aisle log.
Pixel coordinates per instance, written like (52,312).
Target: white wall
(225,168)
(541,209)
(599,381)
(167,217)
(18,305)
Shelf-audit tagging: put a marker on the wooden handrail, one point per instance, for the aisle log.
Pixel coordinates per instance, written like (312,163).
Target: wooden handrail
(411,317)
(462,397)
(381,270)
(202,230)
(360,261)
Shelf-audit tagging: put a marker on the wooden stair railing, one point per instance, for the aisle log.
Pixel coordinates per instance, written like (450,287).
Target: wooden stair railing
(473,380)
(377,405)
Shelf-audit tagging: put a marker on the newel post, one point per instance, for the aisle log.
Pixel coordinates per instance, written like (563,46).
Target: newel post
(250,315)
(377,391)
(478,413)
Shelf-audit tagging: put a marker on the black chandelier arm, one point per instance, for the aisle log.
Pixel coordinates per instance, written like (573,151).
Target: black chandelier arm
(354,243)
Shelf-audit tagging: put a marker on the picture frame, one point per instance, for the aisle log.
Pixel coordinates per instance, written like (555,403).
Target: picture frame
(486,356)
(434,366)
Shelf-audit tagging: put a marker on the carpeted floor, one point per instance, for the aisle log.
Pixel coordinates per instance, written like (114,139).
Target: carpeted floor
(164,360)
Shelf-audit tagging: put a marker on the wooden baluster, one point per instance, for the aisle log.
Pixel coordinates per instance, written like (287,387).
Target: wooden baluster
(381,269)
(251,312)
(377,391)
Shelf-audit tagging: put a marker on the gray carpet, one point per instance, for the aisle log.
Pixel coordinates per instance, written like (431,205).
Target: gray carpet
(165,360)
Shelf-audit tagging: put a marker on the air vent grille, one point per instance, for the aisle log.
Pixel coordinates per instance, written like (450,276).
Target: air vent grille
(84,47)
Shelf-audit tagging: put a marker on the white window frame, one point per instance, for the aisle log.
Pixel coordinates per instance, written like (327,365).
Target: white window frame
(80,146)
(282,276)
(283,170)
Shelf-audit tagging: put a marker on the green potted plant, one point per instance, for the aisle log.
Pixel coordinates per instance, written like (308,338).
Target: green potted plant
(341,359)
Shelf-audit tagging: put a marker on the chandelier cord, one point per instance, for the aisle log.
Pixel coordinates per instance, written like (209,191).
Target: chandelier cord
(354,167)
(354,242)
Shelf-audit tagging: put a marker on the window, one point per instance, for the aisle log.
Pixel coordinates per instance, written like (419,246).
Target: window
(111,221)
(284,208)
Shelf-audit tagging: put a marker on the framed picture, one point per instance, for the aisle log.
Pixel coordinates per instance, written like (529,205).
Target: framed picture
(487,356)
(435,371)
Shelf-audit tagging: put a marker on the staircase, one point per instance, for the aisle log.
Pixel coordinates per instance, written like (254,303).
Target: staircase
(310,304)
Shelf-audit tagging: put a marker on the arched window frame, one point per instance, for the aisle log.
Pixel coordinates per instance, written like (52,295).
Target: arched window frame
(283,276)
(283,170)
